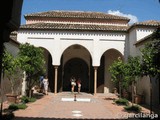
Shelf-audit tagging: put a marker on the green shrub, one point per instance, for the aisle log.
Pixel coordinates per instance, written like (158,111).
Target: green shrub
(17,106)
(8,116)
(121,101)
(32,99)
(134,108)
(26,99)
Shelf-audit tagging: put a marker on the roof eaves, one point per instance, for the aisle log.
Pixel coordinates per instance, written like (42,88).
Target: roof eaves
(51,26)
(144,24)
(76,14)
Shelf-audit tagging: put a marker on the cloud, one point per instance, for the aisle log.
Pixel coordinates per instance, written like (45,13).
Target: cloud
(132,18)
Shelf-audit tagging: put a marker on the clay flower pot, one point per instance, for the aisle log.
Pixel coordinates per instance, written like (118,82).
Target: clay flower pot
(12,98)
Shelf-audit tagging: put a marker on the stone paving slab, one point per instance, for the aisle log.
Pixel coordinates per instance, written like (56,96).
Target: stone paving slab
(50,106)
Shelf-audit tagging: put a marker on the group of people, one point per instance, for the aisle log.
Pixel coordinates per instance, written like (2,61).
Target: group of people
(44,84)
(75,82)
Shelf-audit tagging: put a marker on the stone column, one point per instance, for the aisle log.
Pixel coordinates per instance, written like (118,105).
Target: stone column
(24,84)
(55,79)
(95,80)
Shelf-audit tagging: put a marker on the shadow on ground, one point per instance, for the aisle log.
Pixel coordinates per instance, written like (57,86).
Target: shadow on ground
(31,118)
(38,95)
(8,114)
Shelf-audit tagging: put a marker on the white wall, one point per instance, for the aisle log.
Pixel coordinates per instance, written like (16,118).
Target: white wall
(132,40)
(76,51)
(110,56)
(57,42)
(136,34)
(143,85)
(143,32)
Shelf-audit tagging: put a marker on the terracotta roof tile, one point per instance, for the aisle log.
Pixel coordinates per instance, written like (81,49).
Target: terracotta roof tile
(149,22)
(60,26)
(76,14)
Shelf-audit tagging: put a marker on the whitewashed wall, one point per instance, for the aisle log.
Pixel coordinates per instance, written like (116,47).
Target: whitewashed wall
(57,42)
(143,85)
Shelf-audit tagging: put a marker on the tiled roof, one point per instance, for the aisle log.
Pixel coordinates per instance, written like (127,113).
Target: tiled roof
(61,26)
(149,23)
(76,14)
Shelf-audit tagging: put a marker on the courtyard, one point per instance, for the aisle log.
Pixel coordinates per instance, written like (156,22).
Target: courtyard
(66,105)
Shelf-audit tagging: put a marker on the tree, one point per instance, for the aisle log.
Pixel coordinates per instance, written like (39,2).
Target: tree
(11,69)
(134,72)
(155,41)
(118,72)
(125,74)
(32,61)
(150,59)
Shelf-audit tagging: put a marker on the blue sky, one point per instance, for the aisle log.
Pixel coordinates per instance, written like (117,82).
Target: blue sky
(136,10)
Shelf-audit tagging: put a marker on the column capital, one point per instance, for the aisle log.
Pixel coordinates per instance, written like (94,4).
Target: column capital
(95,67)
(56,66)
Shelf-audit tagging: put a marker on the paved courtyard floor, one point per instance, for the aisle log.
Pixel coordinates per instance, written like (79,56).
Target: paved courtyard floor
(62,106)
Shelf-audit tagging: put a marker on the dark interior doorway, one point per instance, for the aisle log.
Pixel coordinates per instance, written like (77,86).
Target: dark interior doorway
(79,69)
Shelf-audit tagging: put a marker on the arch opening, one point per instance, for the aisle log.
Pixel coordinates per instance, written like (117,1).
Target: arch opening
(78,68)
(105,85)
(76,61)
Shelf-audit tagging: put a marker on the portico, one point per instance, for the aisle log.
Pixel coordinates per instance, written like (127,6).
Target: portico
(83,46)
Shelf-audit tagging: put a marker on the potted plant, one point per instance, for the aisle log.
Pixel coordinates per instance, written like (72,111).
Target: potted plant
(11,72)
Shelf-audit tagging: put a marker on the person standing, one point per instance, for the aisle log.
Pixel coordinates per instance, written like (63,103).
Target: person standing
(73,83)
(45,83)
(79,85)
(41,83)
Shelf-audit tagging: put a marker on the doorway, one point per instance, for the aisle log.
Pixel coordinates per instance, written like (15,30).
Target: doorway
(78,68)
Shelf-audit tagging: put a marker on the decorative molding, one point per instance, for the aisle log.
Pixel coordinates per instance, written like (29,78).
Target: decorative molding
(40,38)
(75,39)
(145,30)
(111,40)
(92,34)
(71,22)
(73,33)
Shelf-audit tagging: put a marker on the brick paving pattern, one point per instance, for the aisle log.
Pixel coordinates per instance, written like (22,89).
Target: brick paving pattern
(101,106)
